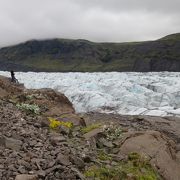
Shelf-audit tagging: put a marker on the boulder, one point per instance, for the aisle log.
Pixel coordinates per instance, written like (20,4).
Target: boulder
(62,159)
(158,148)
(93,133)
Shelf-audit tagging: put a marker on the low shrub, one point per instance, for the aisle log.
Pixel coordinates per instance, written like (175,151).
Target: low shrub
(33,108)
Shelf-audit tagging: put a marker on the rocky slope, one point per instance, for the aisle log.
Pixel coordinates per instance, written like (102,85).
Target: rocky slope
(41,138)
(81,55)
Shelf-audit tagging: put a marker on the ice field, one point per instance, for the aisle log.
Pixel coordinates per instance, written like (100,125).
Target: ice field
(156,94)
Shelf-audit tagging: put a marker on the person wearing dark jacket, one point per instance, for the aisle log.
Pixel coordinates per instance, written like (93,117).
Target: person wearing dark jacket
(13,79)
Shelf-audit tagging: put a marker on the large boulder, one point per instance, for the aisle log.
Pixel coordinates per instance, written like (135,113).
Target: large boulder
(158,148)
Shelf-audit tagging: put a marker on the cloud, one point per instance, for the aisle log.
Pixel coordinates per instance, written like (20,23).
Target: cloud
(95,20)
(162,6)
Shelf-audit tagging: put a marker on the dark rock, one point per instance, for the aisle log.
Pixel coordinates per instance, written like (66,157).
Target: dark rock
(93,133)
(104,142)
(78,162)
(2,141)
(24,163)
(62,159)
(58,167)
(78,173)
(64,130)
(55,139)
(87,159)
(21,170)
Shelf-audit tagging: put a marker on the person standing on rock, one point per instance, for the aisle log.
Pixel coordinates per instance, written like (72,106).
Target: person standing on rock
(13,79)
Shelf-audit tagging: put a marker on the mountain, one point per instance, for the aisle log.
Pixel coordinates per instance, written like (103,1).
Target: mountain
(62,55)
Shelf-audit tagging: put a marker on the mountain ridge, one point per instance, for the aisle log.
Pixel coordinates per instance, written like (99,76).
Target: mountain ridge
(66,55)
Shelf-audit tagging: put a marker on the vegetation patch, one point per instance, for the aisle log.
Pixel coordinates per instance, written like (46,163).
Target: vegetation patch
(33,108)
(136,168)
(29,97)
(90,128)
(104,173)
(104,156)
(112,133)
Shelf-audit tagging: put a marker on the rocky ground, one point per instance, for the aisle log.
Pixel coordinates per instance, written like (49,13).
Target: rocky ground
(41,138)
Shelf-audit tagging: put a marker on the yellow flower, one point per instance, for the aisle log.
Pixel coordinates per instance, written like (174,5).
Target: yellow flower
(54,123)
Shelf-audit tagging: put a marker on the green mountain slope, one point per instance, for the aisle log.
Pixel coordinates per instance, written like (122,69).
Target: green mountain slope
(62,55)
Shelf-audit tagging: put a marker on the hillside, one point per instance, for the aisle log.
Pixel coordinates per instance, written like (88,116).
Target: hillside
(62,55)
(42,138)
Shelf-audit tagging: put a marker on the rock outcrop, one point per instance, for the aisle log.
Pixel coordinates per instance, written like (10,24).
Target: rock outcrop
(157,147)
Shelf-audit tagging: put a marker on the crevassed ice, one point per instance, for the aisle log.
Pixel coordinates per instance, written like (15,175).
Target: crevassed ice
(156,94)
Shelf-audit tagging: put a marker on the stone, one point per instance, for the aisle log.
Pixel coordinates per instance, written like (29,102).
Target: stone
(93,133)
(104,142)
(24,163)
(62,159)
(57,139)
(87,159)
(39,144)
(41,173)
(78,173)
(12,167)
(117,158)
(21,170)
(64,130)
(47,171)
(44,122)
(52,163)
(13,143)
(78,162)
(115,150)
(178,147)
(33,142)
(26,177)
(2,141)
(178,156)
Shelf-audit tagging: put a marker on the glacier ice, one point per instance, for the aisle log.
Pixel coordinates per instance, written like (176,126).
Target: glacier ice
(132,93)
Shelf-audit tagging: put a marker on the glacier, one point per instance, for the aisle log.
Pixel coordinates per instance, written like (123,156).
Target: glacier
(130,93)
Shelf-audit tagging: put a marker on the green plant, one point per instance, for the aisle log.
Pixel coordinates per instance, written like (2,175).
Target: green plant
(113,133)
(103,156)
(104,173)
(137,167)
(29,107)
(30,97)
(90,128)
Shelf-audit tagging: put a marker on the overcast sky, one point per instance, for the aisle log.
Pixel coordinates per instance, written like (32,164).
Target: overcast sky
(95,20)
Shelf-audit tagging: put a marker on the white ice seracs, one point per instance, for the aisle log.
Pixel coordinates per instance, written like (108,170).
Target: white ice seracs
(156,94)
